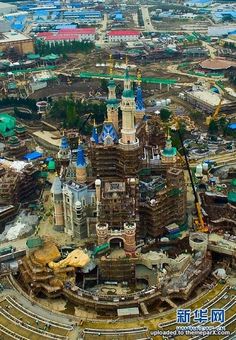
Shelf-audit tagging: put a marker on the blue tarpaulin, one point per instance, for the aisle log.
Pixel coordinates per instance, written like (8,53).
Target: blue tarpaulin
(33,155)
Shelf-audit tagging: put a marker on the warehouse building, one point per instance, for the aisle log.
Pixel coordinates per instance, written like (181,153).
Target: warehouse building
(207,101)
(19,41)
(69,34)
(7,8)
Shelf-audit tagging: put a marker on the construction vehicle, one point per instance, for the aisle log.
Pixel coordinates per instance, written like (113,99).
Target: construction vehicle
(199,222)
(215,115)
(7,250)
(101,249)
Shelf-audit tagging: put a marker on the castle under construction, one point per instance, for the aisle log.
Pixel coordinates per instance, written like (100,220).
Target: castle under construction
(126,183)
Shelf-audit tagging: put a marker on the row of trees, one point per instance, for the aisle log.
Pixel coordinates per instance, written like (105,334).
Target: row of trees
(62,47)
(165,115)
(17,102)
(232,79)
(140,17)
(76,114)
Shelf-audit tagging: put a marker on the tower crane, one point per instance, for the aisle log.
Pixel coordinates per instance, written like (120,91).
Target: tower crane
(199,222)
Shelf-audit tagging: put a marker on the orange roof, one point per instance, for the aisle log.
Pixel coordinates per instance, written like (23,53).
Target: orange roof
(217,64)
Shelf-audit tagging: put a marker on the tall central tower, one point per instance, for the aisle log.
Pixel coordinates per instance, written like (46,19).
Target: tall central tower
(128,107)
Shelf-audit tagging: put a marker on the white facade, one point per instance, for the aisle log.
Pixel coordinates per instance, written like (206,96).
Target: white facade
(121,38)
(82,37)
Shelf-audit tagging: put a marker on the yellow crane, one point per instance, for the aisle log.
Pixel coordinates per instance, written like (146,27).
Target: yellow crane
(215,115)
(199,222)
(139,76)
(111,64)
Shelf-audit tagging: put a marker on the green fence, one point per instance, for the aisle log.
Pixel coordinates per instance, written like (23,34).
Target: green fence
(133,78)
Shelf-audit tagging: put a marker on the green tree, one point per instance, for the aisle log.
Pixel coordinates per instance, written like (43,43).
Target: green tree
(104,84)
(70,113)
(222,123)
(213,127)
(165,114)
(196,115)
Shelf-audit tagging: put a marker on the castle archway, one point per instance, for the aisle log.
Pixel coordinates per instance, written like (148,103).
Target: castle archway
(117,242)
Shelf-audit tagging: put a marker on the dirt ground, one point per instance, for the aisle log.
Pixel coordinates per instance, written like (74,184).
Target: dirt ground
(80,86)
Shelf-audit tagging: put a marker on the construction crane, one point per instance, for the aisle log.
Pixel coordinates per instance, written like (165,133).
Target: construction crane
(215,115)
(111,64)
(139,76)
(200,224)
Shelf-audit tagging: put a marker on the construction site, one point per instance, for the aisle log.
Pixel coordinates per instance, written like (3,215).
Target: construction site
(119,211)
(141,242)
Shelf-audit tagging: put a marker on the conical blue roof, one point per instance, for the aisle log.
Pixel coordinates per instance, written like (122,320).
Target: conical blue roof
(139,99)
(80,161)
(108,129)
(94,137)
(64,143)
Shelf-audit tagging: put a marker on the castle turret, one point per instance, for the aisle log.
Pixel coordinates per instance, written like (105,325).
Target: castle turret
(57,197)
(94,137)
(98,189)
(98,194)
(129,235)
(168,154)
(112,104)
(64,152)
(81,173)
(128,107)
(102,232)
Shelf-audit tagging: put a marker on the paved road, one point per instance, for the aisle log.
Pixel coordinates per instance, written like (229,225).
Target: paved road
(211,49)
(147,20)
(221,158)
(102,30)
(174,69)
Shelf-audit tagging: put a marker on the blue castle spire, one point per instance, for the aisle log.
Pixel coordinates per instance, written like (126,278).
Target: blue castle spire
(64,143)
(139,99)
(94,137)
(80,161)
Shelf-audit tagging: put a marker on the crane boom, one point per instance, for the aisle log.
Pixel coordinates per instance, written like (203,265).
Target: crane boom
(215,114)
(196,199)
